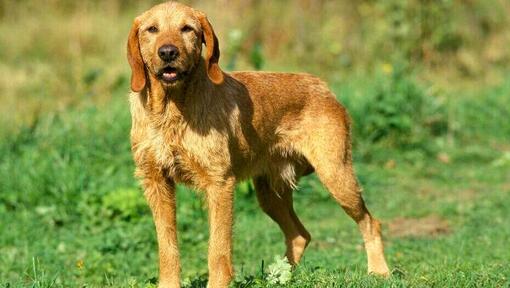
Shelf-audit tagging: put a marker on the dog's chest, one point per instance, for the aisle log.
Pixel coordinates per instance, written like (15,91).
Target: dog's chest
(190,158)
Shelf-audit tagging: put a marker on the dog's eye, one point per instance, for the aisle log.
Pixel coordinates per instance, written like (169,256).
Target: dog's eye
(186,28)
(153,29)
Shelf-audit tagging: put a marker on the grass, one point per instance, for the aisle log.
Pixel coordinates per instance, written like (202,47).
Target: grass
(73,215)
(431,144)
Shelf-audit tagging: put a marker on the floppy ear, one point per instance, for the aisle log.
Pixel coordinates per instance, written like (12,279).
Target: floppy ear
(134,56)
(213,50)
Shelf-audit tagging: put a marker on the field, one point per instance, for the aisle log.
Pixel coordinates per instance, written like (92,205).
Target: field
(431,148)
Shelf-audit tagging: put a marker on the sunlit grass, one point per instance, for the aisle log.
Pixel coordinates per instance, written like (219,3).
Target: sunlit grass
(431,141)
(73,215)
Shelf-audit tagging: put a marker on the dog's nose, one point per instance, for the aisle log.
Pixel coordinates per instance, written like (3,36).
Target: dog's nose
(168,52)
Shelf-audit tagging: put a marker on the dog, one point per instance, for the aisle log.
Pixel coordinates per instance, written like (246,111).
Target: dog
(192,123)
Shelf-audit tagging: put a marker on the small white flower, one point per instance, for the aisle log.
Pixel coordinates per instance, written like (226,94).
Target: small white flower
(280,271)
(502,161)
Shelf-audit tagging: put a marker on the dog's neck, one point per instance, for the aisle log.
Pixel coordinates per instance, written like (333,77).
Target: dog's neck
(195,93)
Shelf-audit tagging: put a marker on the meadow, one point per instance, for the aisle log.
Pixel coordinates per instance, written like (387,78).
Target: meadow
(426,85)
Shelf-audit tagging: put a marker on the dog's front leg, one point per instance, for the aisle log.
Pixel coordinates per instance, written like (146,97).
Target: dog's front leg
(220,200)
(160,194)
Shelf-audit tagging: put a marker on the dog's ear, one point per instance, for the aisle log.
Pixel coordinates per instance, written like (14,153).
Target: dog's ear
(138,79)
(213,50)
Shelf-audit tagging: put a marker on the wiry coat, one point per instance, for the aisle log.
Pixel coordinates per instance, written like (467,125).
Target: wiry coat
(209,129)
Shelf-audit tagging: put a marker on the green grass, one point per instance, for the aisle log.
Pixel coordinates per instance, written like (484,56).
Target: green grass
(72,214)
(424,84)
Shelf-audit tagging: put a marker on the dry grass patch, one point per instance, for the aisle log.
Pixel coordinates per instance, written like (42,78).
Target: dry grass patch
(429,226)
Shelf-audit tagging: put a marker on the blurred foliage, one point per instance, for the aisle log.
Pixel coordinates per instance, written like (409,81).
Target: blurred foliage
(399,111)
(399,66)
(66,53)
(462,39)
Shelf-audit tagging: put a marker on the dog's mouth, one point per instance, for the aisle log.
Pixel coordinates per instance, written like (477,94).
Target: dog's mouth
(169,74)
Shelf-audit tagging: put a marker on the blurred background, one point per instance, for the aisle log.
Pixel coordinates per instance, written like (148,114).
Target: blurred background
(426,83)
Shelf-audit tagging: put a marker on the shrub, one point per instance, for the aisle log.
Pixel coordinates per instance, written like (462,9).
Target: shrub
(395,110)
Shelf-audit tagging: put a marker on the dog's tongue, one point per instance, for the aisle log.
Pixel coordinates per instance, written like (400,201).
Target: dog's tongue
(169,76)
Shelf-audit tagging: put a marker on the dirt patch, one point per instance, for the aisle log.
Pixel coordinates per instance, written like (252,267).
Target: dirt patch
(505,187)
(430,226)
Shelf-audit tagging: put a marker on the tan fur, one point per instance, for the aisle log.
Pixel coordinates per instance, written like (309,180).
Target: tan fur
(210,129)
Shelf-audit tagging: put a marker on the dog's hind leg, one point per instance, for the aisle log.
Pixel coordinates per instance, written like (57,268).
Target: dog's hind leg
(278,206)
(328,151)
(342,184)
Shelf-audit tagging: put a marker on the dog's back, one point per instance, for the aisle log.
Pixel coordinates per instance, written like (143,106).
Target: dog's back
(278,112)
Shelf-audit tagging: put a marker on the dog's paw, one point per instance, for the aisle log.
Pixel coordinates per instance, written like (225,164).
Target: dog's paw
(168,285)
(380,271)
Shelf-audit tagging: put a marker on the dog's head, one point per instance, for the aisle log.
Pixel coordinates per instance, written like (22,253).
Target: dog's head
(166,41)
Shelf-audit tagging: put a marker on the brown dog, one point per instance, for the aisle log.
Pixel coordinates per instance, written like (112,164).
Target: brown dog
(195,124)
